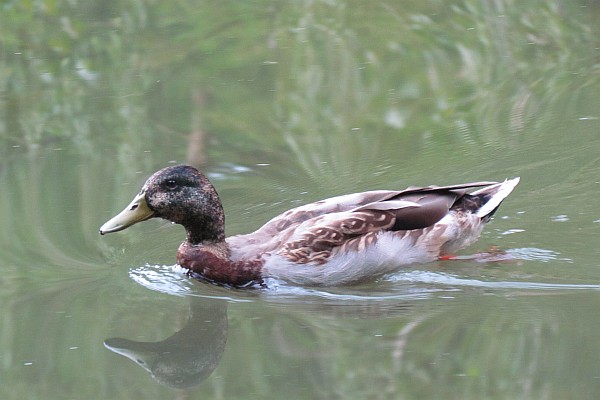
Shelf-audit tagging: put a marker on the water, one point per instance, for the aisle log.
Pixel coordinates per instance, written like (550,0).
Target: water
(283,104)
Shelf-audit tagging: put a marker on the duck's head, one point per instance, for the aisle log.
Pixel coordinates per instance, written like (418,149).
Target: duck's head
(180,194)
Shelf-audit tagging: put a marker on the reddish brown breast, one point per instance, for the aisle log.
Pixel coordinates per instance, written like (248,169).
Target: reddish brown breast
(213,265)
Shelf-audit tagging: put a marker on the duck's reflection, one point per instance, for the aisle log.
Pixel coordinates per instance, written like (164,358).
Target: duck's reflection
(189,356)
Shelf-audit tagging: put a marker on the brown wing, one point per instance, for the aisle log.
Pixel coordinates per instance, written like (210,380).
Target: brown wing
(310,233)
(429,197)
(278,230)
(315,243)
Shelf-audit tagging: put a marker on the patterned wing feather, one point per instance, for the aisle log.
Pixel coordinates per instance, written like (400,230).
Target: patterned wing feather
(316,243)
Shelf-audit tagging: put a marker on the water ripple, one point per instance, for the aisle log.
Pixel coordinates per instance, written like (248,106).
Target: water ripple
(172,279)
(535,254)
(449,280)
(410,285)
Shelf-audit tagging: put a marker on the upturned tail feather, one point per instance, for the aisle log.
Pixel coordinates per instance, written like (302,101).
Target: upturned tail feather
(484,202)
(493,196)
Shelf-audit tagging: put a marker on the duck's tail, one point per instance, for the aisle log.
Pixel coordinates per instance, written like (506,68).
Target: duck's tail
(490,197)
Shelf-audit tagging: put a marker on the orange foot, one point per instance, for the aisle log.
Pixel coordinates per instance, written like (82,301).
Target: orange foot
(494,254)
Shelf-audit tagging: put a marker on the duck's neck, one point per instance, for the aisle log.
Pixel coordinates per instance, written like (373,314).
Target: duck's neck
(207,230)
(206,224)
(212,262)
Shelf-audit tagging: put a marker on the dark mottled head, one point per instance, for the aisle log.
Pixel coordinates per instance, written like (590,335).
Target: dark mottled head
(180,194)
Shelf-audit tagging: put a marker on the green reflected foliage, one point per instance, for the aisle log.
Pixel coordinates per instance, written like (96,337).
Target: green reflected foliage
(60,61)
(120,73)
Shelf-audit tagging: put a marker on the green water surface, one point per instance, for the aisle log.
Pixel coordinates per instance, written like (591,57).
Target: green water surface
(283,103)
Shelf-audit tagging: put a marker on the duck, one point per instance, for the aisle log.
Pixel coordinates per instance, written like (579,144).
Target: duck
(337,241)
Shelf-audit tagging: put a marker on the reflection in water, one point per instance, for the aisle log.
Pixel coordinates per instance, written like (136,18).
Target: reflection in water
(190,355)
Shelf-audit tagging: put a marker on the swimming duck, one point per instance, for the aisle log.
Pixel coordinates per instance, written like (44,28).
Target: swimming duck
(340,240)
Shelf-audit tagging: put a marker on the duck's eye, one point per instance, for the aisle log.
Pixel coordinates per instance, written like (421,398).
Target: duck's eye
(171,184)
